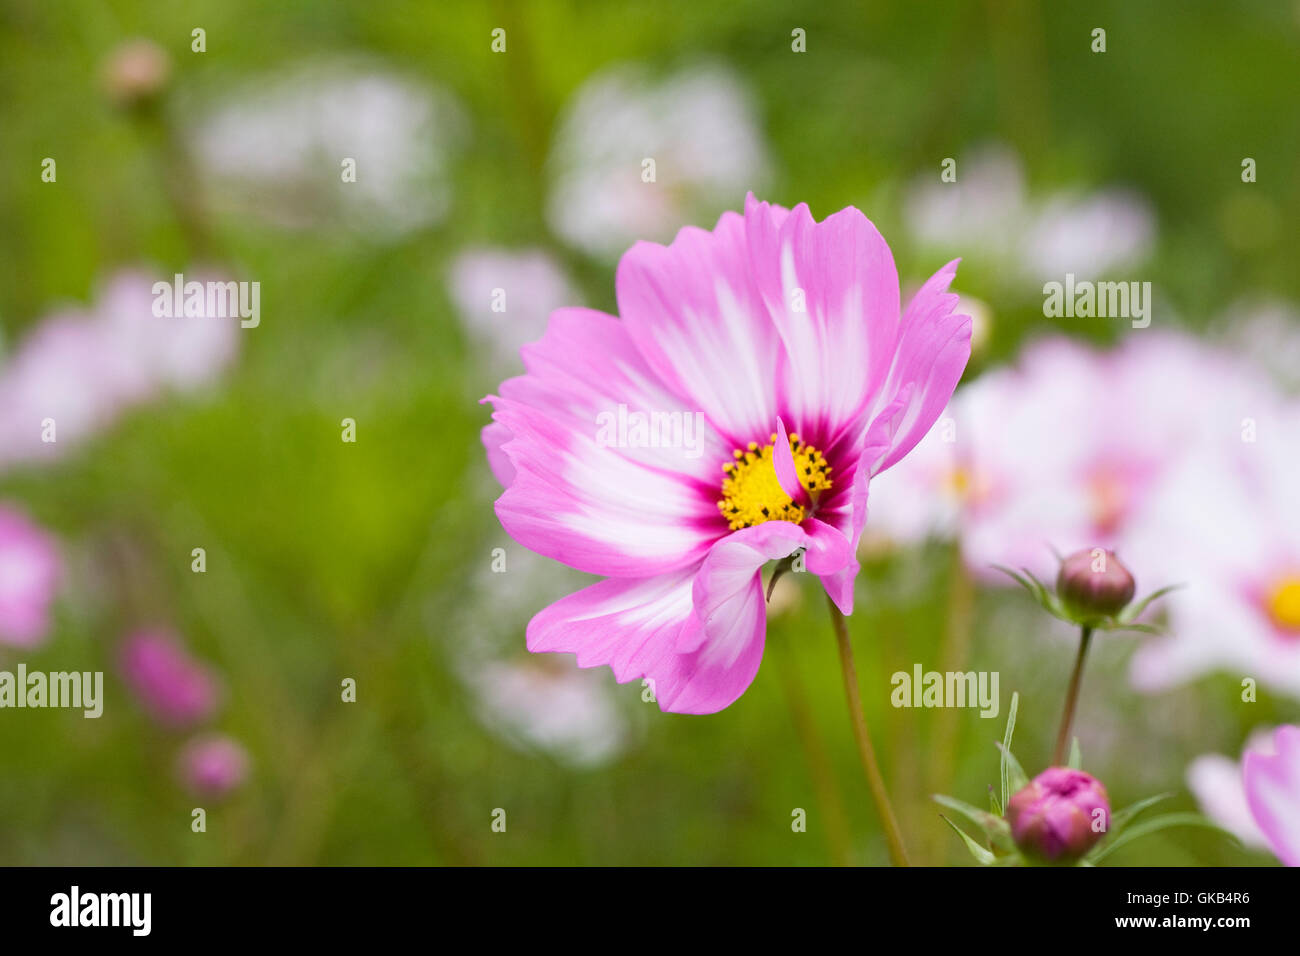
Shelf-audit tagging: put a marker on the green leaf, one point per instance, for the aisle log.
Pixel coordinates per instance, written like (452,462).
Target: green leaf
(996,830)
(1134,611)
(1076,755)
(1017,576)
(983,856)
(1152,826)
(1006,748)
(1120,819)
(1041,588)
(1016,777)
(1139,628)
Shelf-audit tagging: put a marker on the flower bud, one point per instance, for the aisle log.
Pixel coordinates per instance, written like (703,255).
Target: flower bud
(172,686)
(212,766)
(1059,815)
(1094,584)
(136,72)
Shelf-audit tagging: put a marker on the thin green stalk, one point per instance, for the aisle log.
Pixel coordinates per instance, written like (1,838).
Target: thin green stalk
(1071,700)
(866,753)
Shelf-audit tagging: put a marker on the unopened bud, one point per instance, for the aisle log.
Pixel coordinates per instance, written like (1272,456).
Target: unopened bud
(1094,584)
(1059,815)
(136,72)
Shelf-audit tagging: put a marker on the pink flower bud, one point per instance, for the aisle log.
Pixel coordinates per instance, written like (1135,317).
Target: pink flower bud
(172,686)
(136,72)
(1094,584)
(213,766)
(1059,815)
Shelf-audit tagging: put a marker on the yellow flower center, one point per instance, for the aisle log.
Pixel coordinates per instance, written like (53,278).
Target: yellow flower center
(1284,603)
(751,492)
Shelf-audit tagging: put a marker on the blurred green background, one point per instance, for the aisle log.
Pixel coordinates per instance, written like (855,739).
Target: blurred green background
(329,560)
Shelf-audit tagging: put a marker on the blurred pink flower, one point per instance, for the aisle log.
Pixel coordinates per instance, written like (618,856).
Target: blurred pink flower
(1066,450)
(1227,525)
(136,72)
(82,369)
(699,127)
(1272,783)
(173,687)
(212,765)
(29,576)
(771,318)
(506,295)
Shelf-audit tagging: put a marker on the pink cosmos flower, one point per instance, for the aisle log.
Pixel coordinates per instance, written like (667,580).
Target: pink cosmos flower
(780,346)
(29,576)
(212,765)
(1273,793)
(173,687)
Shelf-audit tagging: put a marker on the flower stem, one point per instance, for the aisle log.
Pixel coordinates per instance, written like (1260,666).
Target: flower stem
(865,751)
(1071,699)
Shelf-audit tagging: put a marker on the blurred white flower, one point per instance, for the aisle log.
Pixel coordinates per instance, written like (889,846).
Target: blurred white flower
(990,210)
(699,127)
(1089,235)
(986,208)
(1066,450)
(276,148)
(1268,331)
(80,369)
(1227,525)
(532,701)
(505,296)
(546,702)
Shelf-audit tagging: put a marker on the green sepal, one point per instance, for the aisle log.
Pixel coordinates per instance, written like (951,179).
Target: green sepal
(996,830)
(1154,825)
(1076,755)
(1003,767)
(982,856)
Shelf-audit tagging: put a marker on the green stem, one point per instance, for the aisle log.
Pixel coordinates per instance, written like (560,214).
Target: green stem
(866,753)
(1071,699)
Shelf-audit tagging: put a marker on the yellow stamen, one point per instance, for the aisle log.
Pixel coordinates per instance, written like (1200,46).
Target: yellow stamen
(1284,603)
(751,492)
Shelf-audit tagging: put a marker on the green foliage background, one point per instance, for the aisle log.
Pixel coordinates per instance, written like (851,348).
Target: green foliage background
(328,560)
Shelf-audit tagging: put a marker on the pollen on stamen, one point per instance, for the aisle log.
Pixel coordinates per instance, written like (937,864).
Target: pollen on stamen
(751,492)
